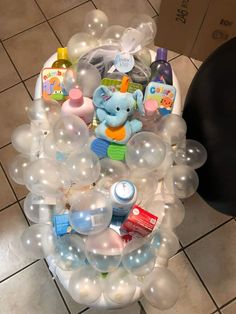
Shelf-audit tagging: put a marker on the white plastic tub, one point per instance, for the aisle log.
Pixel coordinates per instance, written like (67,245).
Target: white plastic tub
(64,276)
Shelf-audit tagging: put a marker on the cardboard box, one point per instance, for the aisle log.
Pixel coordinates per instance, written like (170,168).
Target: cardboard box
(195,28)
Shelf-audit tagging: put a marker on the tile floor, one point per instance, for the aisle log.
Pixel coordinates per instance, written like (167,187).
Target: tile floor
(30,31)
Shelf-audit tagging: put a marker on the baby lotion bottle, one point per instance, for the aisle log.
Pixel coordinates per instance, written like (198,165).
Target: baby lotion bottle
(151,115)
(62,59)
(79,106)
(123,195)
(161,69)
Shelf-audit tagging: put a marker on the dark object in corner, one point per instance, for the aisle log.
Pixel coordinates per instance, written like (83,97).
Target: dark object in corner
(210,113)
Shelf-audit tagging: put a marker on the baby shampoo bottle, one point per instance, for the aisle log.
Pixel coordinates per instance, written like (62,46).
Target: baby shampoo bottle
(79,106)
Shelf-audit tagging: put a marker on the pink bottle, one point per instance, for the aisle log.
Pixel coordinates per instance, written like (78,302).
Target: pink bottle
(79,106)
(151,115)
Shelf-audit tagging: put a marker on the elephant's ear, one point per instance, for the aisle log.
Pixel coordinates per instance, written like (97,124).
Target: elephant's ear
(138,96)
(101,95)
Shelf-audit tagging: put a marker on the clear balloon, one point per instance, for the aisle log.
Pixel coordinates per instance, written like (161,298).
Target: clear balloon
(104,250)
(84,167)
(146,25)
(145,56)
(41,109)
(172,128)
(88,78)
(146,185)
(112,35)
(70,252)
(161,288)
(161,171)
(80,44)
(182,181)
(17,167)
(190,153)
(90,212)
(84,76)
(45,177)
(172,208)
(111,172)
(165,243)
(51,150)
(70,133)
(145,152)
(22,139)
(39,240)
(95,23)
(85,285)
(38,210)
(119,287)
(138,257)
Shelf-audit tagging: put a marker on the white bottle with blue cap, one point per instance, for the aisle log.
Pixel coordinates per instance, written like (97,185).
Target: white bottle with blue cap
(123,195)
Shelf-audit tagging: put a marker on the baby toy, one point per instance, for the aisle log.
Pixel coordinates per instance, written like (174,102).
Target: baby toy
(113,110)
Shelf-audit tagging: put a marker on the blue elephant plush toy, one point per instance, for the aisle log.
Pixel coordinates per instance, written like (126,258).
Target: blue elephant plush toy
(113,110)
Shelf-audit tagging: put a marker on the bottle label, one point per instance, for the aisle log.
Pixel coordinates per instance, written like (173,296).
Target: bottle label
(124,62)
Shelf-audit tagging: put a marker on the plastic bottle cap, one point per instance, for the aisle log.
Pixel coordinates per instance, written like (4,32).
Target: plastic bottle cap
(76,97)
(150,107)
(124,190)
(62,53)
(161,54)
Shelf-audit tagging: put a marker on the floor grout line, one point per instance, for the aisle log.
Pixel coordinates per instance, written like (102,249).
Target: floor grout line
(227,303)
(141,307)
(207,233)
(179,55)
(9,182)
(203,283)
(94,4)
(18,271)
(53,278)
(5,145)
(193,63)
(16,69)
(157,13)
(6,207)
(45,21)
(84,310)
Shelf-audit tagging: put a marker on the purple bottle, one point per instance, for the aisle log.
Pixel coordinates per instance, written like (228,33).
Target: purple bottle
(161,69)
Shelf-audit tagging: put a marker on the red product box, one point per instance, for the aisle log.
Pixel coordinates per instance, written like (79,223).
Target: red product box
(139,221)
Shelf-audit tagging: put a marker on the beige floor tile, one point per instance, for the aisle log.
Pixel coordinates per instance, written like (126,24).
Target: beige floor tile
(199,219)
(197,62)
(12,104)
(8,75)
(214,257)
(73,306)
(17,16)
(57,6)
(31,49)
(132,309)
(185,71)
(120,12)
(229,309)
(6,195)
(31,291)
(12,225)
(30,84)
(193,297)
(70,23)
(156,4)
(6,155)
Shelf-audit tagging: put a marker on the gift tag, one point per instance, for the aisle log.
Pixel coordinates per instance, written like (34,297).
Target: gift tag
(124,62)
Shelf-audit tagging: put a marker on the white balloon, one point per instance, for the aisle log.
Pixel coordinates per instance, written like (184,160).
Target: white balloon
(85,285)
(46,178)
(39,240)
(17,168)
(79,44)
(95,23)
(112,35)
(161,288)
(22,139)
